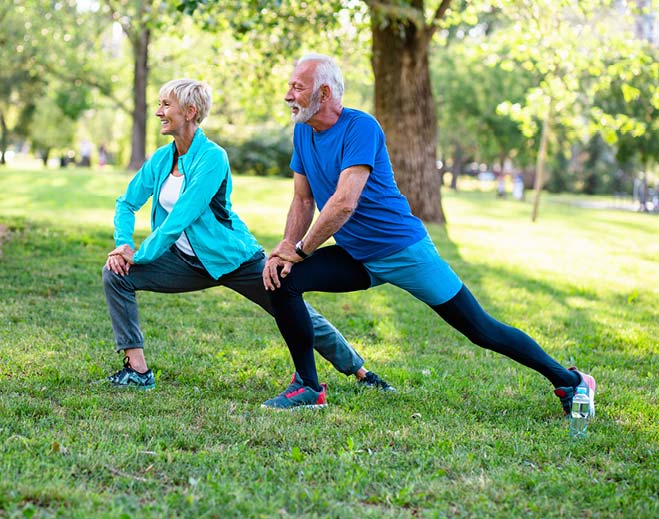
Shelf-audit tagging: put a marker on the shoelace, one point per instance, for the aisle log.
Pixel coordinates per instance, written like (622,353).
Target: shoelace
(126,367)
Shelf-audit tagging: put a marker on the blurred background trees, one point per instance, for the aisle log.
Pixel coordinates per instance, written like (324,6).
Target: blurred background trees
(461,88)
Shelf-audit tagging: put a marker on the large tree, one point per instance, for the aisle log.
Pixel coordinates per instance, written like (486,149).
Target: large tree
(401,34)
(75,44)
(137,18)
(19,82)
(404,102)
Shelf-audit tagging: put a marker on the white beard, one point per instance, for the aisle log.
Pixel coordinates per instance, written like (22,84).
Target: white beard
(304,114)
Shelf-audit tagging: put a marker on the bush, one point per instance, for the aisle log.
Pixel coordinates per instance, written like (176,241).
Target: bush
(264,152)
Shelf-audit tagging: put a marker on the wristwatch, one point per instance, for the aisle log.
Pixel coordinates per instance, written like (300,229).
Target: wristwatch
(298,250)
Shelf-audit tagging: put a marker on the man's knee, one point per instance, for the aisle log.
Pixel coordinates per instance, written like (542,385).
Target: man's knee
(288,287)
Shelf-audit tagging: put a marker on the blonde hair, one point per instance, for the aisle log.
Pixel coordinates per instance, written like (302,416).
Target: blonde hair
(190,92)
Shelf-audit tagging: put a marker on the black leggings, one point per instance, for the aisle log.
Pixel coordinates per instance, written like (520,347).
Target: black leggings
(332,269)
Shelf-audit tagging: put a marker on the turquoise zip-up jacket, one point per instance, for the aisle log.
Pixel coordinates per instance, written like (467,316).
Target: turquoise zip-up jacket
(217,235)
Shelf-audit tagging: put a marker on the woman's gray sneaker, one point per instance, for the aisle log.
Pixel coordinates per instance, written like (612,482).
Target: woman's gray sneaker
(372,380)
(128,377)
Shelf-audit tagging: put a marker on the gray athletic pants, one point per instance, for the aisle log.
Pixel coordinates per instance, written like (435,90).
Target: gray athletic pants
(176,272)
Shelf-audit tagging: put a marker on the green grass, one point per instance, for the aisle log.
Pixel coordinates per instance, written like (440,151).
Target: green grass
(469,433)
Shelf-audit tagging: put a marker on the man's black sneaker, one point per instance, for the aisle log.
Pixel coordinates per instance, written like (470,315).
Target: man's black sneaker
(372,380)
(128,377)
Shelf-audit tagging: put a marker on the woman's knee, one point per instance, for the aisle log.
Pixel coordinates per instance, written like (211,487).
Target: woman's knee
(106,274)
(110,278)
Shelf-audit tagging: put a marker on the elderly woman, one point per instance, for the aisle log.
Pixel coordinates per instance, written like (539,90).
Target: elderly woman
(196,241)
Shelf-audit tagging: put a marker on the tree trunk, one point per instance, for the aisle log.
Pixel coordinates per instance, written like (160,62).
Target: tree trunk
(405,108)
(458,163)
(141,72)
(4,138)
(540,167)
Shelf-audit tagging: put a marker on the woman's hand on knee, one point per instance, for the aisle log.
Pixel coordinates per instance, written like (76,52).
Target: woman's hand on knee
(120,259)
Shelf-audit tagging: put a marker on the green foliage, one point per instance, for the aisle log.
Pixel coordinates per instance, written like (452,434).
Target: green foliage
(72,102)
(264,151)
(581,69)
(469,433)
(469,87)
(20,84)
(496,66)
(50,127)
(627,104)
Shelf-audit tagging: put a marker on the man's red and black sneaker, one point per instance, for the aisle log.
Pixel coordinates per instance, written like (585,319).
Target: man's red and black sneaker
(297,395)
(566,394)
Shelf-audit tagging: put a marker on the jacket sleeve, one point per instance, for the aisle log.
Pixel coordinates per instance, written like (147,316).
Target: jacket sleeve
(138,192)
(203,179)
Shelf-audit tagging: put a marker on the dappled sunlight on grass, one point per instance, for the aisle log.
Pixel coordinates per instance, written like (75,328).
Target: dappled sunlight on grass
(68,196)
(469,433)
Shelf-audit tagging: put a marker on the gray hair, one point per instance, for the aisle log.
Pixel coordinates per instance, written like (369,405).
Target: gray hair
(190,92)
(327,73)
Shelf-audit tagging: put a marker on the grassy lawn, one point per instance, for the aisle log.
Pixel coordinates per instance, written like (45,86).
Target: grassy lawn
(468,434)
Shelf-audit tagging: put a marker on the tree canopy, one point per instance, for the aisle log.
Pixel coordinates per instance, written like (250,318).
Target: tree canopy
(455,80)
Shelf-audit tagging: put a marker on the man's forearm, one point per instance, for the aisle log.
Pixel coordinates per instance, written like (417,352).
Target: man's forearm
(331,219)
(298,221)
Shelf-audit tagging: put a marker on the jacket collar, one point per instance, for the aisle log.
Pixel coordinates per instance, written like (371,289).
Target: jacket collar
(198,140)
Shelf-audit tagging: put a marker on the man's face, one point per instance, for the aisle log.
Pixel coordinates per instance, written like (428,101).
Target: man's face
(301,97)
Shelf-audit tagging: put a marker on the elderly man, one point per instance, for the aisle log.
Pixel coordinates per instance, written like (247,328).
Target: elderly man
(341,165)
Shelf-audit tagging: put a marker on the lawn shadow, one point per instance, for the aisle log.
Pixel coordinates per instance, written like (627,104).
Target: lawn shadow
(575,325)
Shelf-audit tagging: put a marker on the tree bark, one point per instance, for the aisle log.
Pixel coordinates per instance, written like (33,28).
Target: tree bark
(540,167)
(405,108)
(458,163)
(4,139)
(140,44)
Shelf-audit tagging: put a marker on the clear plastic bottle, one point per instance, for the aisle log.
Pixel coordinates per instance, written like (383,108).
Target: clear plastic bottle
(580,413)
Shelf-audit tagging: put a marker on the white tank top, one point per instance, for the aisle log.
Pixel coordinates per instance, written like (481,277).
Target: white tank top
(169,193)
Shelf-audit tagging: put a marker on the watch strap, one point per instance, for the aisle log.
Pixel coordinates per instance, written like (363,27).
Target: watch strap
(299,251)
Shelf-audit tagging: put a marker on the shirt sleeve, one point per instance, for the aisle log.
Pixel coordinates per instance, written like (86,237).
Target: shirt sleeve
(361,143)
(138,192)
(296,161)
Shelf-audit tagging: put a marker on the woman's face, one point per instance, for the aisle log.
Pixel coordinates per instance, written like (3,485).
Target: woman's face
(172,116)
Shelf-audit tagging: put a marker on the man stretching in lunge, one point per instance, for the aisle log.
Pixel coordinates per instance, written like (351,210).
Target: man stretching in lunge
(341,164)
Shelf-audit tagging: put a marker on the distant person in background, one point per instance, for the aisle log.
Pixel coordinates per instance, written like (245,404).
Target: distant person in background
(640,193)
(341,164)
(102,155)
(518,187)
(196,242)
(85,153)
(501,182)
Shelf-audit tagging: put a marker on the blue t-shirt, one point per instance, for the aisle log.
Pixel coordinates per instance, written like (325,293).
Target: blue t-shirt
(383,223)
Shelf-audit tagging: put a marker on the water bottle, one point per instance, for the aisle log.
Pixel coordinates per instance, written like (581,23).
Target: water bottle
(580,413)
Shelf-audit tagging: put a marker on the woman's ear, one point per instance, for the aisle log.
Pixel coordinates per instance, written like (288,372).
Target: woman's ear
(190,113)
